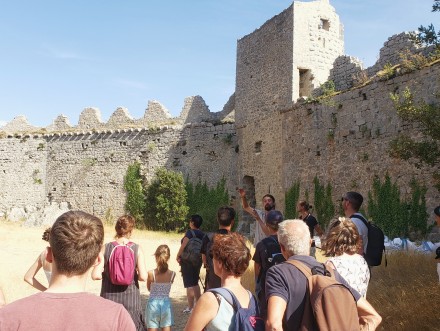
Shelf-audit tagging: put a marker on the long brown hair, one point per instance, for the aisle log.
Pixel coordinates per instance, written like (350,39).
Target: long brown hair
(162,255)
(124,226)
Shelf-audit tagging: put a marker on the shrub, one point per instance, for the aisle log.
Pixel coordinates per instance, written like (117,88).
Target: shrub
(292,197)
(324,206)
(135,201)
(398,218)
(205,202)
(166,207)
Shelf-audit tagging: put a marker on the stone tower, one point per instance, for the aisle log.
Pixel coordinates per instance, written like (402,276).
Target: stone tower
(286,58)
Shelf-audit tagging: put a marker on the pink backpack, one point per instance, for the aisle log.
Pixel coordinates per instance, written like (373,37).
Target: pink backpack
(121,264)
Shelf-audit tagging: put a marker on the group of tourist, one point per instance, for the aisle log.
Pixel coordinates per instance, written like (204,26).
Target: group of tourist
(283,250)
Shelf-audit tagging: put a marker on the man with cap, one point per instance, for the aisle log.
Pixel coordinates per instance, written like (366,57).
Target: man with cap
(267,254)
(351,203)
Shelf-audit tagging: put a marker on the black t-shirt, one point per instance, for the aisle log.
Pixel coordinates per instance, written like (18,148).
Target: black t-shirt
(287,282)
(206,239)
(311,223)
(199,234)
(212,280)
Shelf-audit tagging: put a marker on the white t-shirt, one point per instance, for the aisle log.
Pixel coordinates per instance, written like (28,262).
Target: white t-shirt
(362,229)
(259,233)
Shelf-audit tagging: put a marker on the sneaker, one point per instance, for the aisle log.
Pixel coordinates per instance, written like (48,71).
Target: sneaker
(187,310)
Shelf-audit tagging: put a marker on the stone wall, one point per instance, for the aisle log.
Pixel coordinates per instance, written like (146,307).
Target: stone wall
(23,172)
(87,169)
(346,143)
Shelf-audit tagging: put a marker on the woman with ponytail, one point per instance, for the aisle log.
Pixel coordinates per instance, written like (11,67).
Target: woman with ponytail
(159,312)
(127,295)
(341,244)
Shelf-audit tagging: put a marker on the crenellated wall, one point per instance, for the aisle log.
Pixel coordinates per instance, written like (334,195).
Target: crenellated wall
(87,169)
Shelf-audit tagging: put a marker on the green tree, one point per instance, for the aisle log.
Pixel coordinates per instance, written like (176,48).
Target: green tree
(427,35)
(324,206)
(166,201)
(135,201)
(397,217)
(427,149)
(385,208)
(205,201)
(292,197)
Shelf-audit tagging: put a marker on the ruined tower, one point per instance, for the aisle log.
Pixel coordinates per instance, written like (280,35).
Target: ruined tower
(286,58)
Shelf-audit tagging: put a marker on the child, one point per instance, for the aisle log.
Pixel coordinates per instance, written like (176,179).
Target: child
(159,313)
(41,262)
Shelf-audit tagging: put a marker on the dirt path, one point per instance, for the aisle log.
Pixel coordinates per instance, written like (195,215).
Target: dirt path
(21,246)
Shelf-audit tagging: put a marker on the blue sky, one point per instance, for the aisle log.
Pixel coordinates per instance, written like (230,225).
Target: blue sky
(59,57)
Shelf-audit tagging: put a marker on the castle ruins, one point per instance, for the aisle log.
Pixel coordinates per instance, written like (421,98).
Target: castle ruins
(266,137)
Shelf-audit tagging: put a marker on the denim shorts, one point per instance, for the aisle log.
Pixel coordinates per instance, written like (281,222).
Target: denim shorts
(159,313)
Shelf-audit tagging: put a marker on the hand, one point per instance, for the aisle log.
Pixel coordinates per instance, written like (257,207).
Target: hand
(242,192)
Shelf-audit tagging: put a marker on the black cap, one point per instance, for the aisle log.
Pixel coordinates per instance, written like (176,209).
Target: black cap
(274,217)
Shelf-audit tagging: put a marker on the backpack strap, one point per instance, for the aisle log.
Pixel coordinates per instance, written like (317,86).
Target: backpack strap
(359,216)
(306,271)
(227,295)
(193,234)
(172,277)
(230,298)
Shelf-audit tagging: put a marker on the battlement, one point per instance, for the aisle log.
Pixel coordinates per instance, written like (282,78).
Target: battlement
(194,110)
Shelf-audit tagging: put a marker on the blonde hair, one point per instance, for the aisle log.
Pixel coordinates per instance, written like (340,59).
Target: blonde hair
(162,255)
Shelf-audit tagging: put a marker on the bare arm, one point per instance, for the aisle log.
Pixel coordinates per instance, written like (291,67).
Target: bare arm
(204,312)
(99,268)
(245,204)
(369,319)
(182,247)
(149,280)
(29,277)
(276,307)
(140,265)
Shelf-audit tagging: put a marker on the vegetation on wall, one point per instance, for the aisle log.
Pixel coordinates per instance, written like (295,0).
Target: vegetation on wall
(205,201)
(324,206)
(291,198)
(135,200)
(427,116)
(396,217)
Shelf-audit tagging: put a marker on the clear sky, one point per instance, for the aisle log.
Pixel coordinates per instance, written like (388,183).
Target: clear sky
(59,57)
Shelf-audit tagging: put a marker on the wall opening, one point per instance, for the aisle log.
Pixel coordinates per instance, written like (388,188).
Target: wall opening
(324,24)
(258,145)
(305,82)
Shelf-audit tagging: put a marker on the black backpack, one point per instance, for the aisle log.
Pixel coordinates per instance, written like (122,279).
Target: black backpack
(376,243)
(246,319)
(273,256)
(191,253)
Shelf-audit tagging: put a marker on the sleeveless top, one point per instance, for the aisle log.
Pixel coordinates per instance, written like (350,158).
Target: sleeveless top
(129,296)
(224,320)
(161,290)
(354,269)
